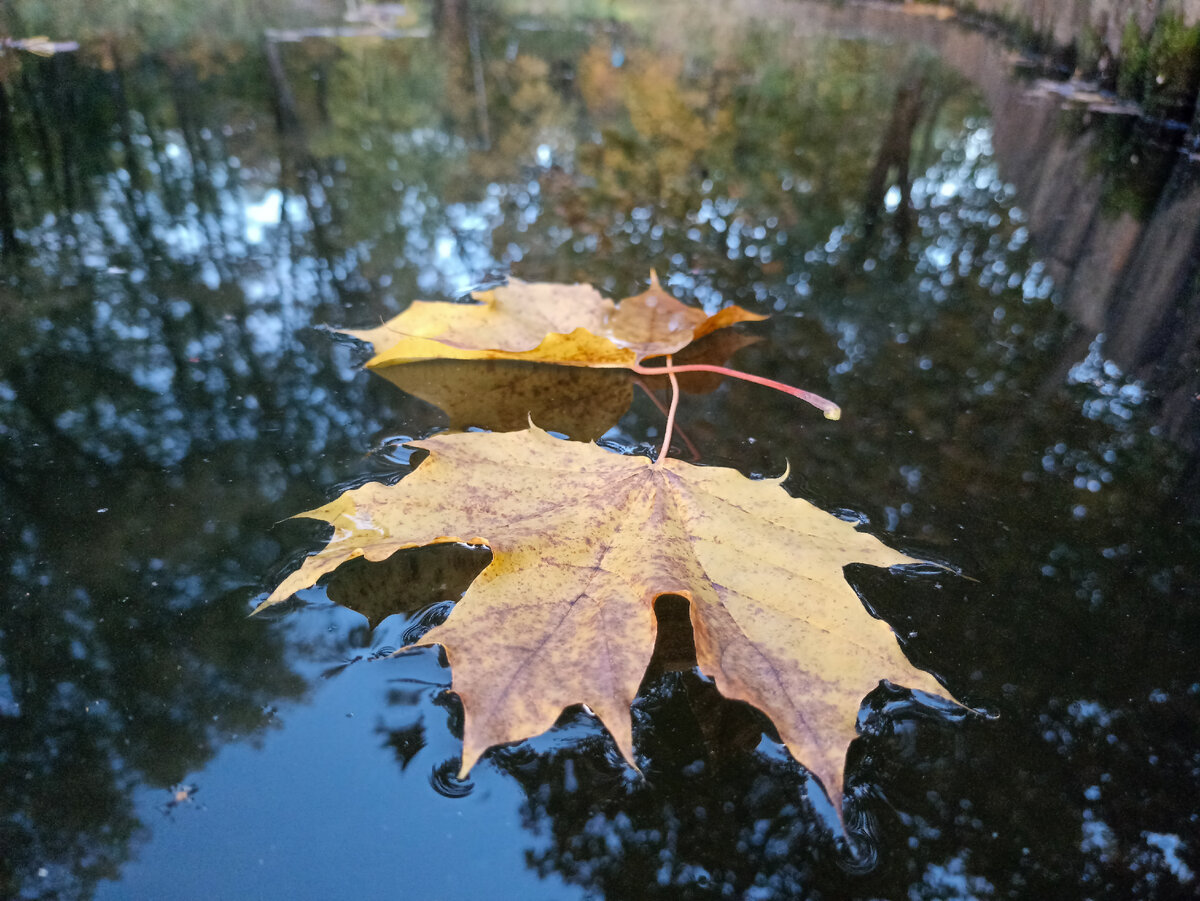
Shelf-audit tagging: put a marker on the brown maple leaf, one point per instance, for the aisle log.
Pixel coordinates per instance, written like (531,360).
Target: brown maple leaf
(572,325)
(583,541)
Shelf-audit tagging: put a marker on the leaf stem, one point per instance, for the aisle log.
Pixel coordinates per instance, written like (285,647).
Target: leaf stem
(666,444)
(683,436)
(827,407)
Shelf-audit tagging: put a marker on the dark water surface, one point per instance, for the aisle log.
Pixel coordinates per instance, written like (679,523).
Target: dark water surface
(1000,291)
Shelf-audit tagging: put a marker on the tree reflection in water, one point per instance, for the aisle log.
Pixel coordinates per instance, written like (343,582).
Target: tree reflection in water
(172,222)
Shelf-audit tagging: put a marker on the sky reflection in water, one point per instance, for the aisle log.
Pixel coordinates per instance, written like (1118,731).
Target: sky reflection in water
(178,228)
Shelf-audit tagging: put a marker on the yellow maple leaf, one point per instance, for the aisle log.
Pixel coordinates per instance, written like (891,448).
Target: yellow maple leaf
(583,541)
(571,325)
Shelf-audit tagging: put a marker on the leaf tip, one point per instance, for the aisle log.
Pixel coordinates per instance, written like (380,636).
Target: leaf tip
(470,756)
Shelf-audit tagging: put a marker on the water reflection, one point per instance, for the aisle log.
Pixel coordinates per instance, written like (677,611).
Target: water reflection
(172,225)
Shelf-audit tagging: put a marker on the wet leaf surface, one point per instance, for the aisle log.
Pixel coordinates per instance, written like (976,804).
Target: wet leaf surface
(184,205)
(570,325)
(584,542)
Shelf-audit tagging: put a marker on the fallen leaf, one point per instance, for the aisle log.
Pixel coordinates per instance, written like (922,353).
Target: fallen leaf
(655,323)
(571,325)
(583,541)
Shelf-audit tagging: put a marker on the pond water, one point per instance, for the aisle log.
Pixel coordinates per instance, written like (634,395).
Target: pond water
(998,287)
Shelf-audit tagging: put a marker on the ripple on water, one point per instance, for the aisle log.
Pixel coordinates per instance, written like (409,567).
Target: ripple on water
(445,781)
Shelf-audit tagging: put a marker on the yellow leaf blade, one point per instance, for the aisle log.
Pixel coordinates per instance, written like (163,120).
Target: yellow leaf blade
(763,563)
(545,323)
(579,348)
(584,541)
(513,317)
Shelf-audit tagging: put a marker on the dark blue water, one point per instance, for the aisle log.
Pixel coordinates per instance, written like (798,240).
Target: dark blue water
(1000,293)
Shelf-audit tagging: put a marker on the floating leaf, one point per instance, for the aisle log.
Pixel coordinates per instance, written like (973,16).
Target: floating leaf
(571,325)
(583,541)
